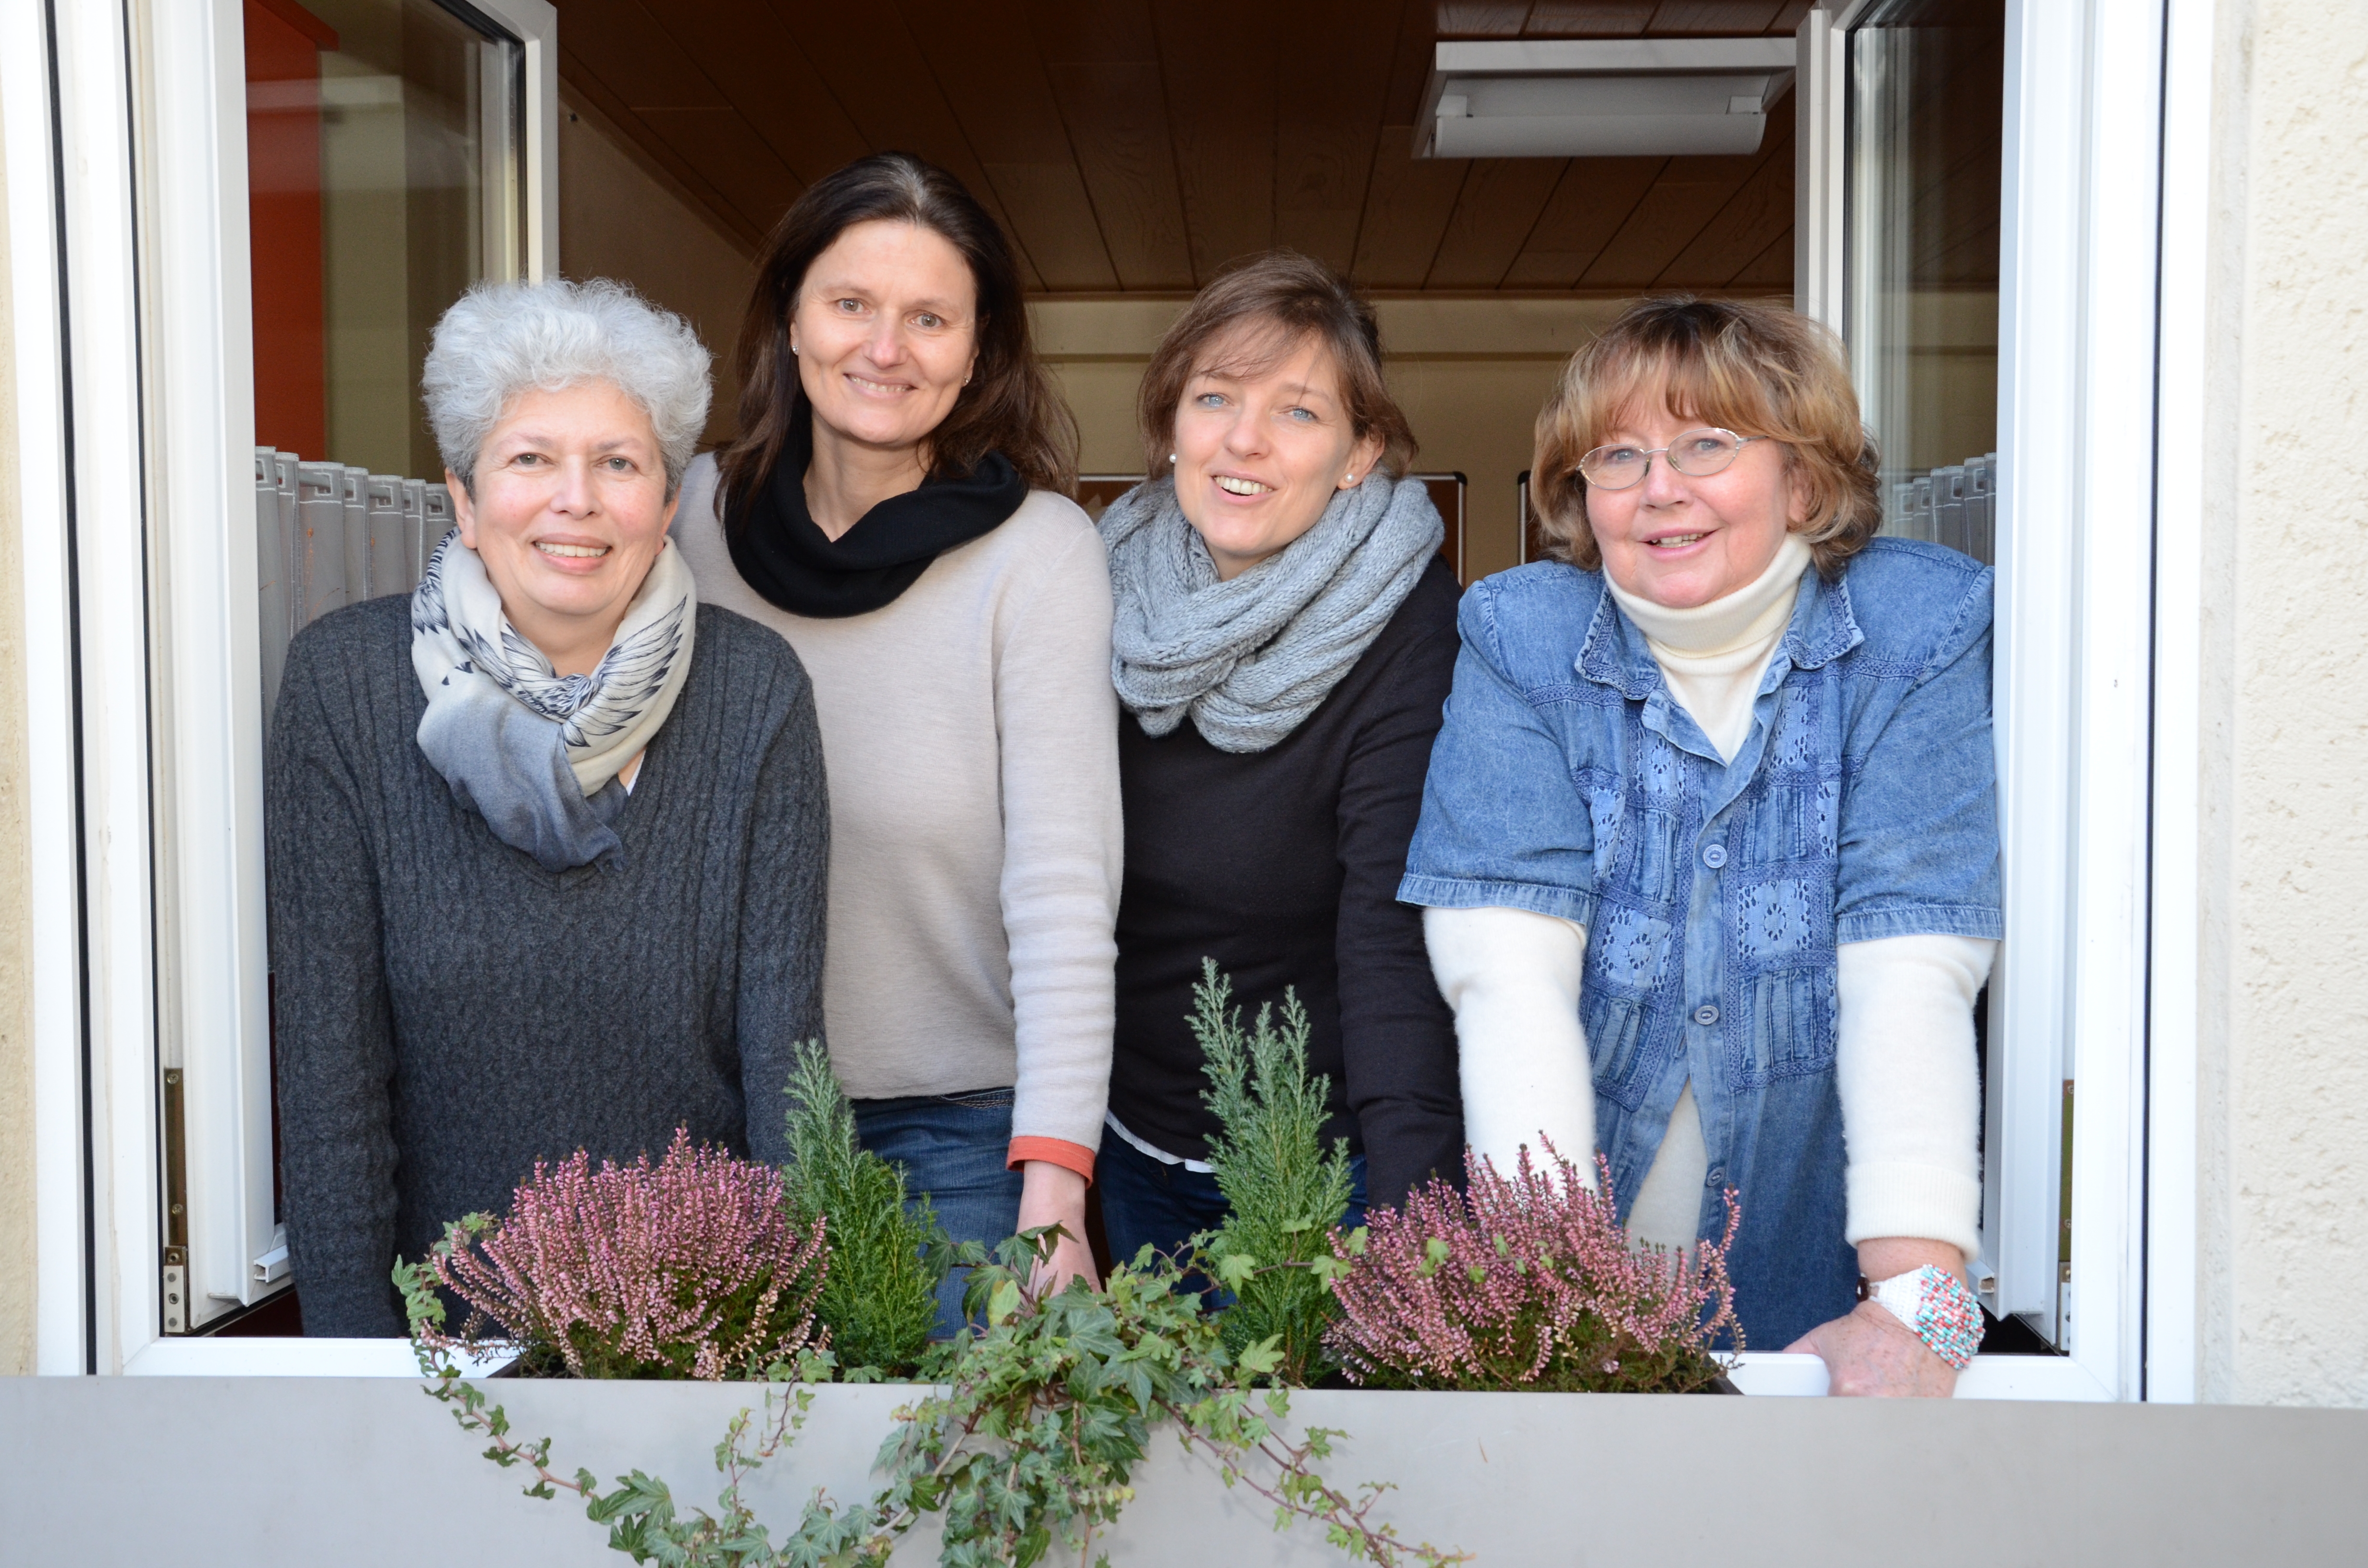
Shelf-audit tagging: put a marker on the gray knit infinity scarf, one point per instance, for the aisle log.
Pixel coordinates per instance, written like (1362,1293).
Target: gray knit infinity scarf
(536,753)
(1252,658)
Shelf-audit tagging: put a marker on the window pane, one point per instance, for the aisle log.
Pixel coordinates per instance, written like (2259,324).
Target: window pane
(384,141)
(1927,103)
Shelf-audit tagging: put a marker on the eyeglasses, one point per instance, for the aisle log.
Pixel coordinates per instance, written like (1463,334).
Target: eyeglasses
(1697,454)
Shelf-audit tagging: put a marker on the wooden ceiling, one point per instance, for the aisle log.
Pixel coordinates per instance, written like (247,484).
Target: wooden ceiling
(1137,145)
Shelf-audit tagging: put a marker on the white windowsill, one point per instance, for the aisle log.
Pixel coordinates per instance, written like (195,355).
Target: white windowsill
(1990,1377)
(259,1358)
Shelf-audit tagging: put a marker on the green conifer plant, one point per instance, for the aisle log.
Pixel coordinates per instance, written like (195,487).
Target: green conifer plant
(887,1257)
(1285,1193)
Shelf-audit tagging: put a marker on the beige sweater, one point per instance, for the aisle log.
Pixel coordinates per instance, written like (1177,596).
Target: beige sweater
(971,737)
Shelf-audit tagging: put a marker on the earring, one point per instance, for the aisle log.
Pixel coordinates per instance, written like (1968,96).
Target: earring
(1171,460)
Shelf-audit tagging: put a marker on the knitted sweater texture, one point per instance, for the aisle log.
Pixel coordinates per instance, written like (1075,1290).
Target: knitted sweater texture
(447,1012)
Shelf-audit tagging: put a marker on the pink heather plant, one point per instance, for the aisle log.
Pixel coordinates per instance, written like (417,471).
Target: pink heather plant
(691,1268)
(1527,1283)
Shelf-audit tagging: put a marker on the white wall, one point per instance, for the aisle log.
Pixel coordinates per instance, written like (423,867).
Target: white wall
(18,1256)
(2281,988)
(621,216)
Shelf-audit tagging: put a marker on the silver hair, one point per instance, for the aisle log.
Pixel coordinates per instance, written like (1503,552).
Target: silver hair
(501,338)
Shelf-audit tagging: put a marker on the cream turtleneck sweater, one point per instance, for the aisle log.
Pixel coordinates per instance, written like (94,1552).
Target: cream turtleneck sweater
(1910,1099)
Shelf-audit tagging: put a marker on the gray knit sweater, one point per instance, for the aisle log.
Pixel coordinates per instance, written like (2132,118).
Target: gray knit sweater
(446,1012)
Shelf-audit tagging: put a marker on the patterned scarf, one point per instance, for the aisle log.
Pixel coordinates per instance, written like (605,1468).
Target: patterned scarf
(536,753)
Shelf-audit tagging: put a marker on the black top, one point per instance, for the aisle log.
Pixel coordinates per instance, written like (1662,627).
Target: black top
(447,1012)
(784,554)
(1283,866)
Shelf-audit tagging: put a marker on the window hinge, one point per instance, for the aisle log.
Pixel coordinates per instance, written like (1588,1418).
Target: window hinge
(177,1290)
(175,1285)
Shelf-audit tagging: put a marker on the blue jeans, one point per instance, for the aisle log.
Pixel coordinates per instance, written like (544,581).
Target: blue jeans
(1146,1202)
(953,1148)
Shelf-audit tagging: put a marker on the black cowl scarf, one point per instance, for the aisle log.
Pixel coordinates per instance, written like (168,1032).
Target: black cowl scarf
(784,554)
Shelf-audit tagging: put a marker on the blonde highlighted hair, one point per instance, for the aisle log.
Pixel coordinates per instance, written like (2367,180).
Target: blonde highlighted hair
(1753,369)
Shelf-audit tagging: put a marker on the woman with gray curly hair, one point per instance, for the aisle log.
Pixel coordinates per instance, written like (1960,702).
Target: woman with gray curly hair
(548,838)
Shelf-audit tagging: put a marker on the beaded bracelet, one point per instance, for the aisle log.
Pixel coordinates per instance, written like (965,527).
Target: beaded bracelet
(1936,1307)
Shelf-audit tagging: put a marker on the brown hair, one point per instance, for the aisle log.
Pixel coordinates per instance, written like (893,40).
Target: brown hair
(1010,407)
(1293,298)
(1756,369)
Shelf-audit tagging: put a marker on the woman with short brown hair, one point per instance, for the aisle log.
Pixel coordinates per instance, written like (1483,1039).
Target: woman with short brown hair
(1709,849)
(897,506)
(1284,642)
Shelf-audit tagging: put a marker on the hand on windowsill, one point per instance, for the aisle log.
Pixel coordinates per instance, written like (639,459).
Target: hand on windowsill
(1871,1354)
(1054,1195)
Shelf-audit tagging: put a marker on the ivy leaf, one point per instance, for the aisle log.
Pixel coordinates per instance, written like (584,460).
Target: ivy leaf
(1261,1360)
(1003,1303)
(1234,1269)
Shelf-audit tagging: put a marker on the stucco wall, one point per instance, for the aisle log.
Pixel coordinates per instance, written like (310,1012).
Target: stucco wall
(16,1255)
(2283,993)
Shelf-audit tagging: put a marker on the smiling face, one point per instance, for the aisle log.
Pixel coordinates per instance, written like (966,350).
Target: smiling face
(570,511)
(1680,541)
(886,331)
(1263,442)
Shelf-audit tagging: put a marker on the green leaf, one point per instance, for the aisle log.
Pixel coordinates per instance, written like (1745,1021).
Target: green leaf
(1004,1302)
(1261,1360)
(1235,1270)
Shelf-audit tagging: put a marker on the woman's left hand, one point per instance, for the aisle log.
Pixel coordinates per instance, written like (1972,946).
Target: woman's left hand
(1872,1354)
(1056,1195)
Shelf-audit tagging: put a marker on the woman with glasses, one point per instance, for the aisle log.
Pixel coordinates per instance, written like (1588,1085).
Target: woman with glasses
(1709,846)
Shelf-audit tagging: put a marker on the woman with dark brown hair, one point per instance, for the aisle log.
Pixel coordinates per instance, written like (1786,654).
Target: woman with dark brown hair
(896,506)
(1285,636)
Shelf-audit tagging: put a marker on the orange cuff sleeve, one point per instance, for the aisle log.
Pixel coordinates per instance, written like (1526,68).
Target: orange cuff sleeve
(1053,1150)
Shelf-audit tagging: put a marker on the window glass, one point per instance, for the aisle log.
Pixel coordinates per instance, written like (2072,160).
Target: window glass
(1927,103)
(385,176)
(383,170)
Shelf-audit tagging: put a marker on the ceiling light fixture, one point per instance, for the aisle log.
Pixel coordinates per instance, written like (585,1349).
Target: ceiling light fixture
(1629,98)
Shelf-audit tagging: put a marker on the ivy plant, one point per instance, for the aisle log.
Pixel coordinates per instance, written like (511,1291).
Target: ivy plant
(1029,1441)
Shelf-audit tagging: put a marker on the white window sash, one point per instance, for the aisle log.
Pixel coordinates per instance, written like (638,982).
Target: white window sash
(130,284)
(2075,668)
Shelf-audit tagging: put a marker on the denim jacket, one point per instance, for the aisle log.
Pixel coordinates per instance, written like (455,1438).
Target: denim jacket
(1568,780)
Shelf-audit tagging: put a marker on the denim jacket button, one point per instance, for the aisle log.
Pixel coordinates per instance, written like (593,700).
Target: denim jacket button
(1717,1177)
(1715,857)
(1705,1015)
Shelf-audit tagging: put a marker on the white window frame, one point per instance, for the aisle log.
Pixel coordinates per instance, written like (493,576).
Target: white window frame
(129,270)
(146,872)
(2083,728)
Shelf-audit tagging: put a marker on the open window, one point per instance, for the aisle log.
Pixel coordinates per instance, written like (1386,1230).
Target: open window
(395,153)
(313,182)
